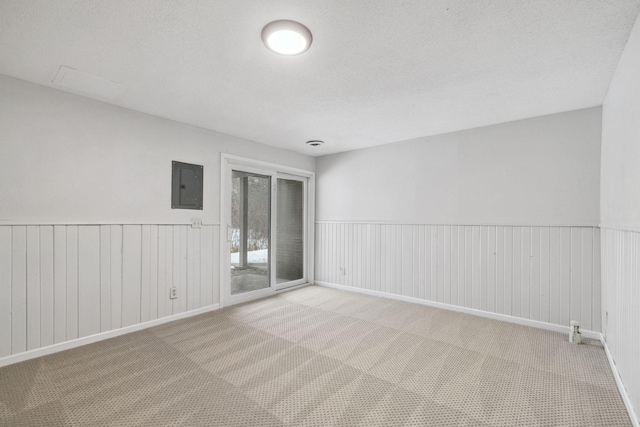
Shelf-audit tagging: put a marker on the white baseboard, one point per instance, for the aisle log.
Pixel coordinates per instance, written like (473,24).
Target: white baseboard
(43,351)
(475,312)
(621,387)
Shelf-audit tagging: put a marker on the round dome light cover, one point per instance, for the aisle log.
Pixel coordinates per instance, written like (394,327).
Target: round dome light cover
(286,37)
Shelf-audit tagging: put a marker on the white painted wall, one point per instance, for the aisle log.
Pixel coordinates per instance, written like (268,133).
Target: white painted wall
(620,206)
(88,240)
(540,171)
(501,219)
(620,211)
(65,158)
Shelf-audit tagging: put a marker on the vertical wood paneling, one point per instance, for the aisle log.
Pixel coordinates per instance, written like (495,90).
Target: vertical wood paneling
(162,292)
(215,266)
(153,272)
(378,255)
(433,262)
(534,293)
(440,247)
(145,270)
(343,259)
(72,282)
(204,261)
(597,288)
(368,266)
(105,278)
(397,282)
(116,276)
(168,264)
(475,267)
(348,257)
(407,261)
(447,264)
(5,290)
(576,273)
(483,265)
(192,277)
(509,270)
(352,255)
(531,272)
(33,287)
(555,274)
(462,267)
(586,297)
(327,252)
(525,288)
(67,281)
(19,289)
(500,269)
(358,239)
(355,256)
(387,258)
(182,292)
(59,283)
(131,274)
(359,242)
(339,248)
(88,280)
(565,275)
(325,234)
(454,265)
(491,269)
(545,274)
(319,250)
(196,254)
(621,299)
(517,272)
(427,262)
(333,253)
(177,267)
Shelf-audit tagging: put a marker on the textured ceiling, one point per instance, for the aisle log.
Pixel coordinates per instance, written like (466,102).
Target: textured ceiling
(379,71)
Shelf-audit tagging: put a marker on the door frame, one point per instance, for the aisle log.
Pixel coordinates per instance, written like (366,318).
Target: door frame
(227,164)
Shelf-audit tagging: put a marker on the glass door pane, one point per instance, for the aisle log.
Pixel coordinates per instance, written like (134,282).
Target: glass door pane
(290,230)
(250,232)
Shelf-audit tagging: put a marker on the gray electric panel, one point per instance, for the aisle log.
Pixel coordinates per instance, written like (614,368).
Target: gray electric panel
(186,186)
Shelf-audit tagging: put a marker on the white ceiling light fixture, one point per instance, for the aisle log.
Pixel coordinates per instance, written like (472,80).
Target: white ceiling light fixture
(286,37)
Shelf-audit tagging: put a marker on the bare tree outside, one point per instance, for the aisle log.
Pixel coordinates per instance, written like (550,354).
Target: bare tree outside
(258,212)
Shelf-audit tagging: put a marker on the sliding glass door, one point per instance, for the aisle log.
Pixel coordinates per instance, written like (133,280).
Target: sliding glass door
(266,215)
(290,230)
(250,232)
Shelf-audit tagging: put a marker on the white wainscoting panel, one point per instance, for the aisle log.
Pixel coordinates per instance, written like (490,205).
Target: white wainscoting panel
(62,282)
(549,274)
(621,306)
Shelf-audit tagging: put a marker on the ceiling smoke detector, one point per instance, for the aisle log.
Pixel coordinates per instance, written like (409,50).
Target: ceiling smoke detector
(286,37)
(315,143)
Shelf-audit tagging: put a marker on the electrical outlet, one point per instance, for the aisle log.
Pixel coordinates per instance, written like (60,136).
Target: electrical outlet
(173,293)
(343,271)
(196,222)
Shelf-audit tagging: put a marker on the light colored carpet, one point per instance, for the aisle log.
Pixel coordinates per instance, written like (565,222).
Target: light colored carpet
(317,356)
